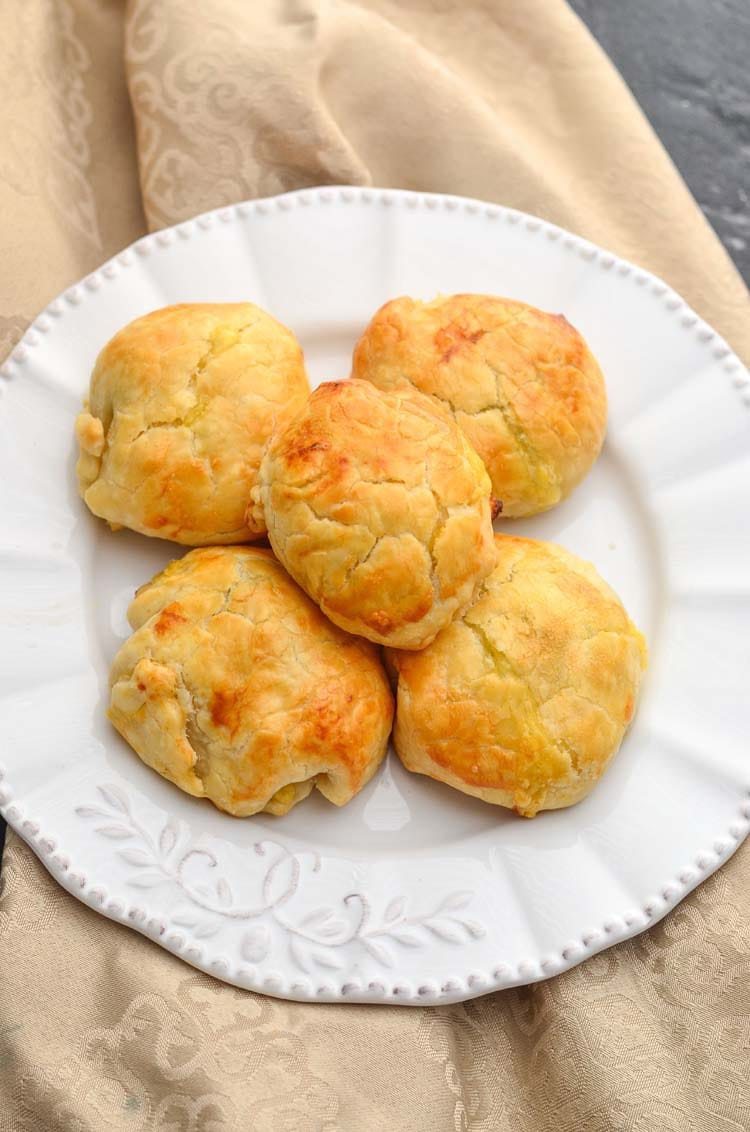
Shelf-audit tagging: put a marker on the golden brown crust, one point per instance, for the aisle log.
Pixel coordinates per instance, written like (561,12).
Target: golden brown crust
(522,384)
(181,403)
(524,700)
(235,687)
(380,509)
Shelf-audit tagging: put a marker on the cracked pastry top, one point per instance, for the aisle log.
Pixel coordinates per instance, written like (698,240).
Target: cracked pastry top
(180,406)
(524,700)
(522,384)
(236,688)
(379,507)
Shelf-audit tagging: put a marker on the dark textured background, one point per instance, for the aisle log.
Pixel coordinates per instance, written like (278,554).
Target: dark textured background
(687,62)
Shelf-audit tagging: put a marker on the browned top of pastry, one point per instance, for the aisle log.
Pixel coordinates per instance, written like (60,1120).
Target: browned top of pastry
(522,384)
(180,406)
(379,507)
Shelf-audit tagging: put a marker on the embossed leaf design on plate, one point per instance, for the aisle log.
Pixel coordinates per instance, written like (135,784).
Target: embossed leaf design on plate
(412,893)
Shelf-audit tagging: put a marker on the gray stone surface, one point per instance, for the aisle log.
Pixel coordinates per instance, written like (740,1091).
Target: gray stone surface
(688,65)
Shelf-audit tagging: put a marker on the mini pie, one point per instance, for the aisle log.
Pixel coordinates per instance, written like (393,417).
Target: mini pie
(523,385)
(524,700)
(181,403)
(379,507)
(236,688)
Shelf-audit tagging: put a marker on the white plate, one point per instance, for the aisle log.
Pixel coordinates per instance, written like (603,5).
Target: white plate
(413,892)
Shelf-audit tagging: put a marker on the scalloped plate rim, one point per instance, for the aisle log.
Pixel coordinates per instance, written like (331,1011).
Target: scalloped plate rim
(472,985)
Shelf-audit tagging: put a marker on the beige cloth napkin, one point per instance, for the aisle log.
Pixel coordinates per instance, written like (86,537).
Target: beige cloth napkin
(503,99)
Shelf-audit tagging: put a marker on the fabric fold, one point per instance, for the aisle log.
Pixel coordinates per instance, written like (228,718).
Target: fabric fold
(101,1029)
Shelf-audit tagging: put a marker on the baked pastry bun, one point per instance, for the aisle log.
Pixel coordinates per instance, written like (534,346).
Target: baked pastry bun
(181,403)
(523,385)
(236,688)
(524,700)
(379,507)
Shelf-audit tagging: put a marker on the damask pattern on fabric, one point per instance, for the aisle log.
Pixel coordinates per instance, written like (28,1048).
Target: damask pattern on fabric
(99,1028)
